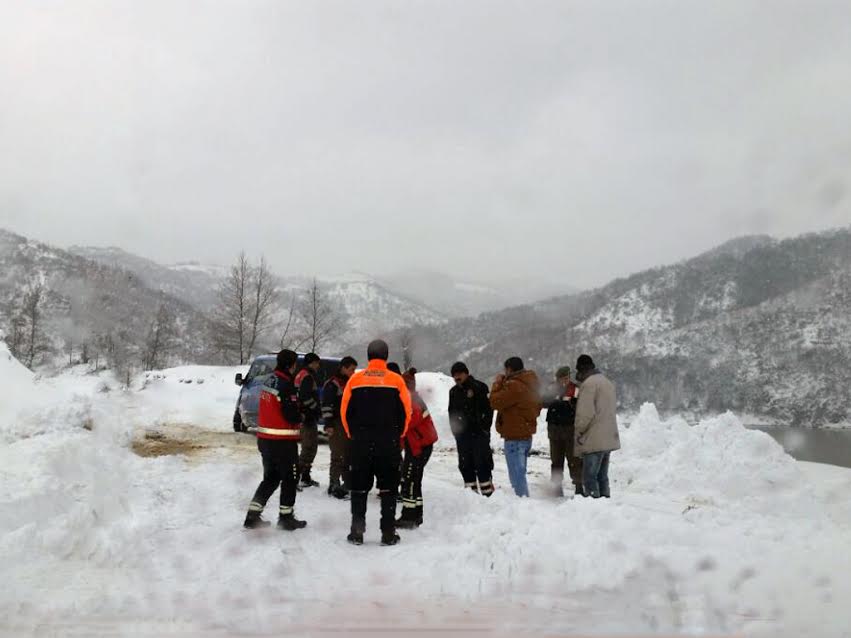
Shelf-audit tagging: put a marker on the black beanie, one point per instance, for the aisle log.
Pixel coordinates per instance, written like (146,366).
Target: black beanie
(459,368)
(515,364)
(311,357)
(584,363)
(378,349)
(286,359)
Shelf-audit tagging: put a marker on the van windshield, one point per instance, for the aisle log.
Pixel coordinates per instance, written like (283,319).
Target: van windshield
(260,369)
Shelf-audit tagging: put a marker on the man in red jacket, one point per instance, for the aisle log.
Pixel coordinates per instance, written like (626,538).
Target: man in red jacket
(278,433)
(419,442)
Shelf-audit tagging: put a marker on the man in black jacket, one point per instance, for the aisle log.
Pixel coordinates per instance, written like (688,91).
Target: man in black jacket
(332,397)
(471,416)
(560,402)
(307,384)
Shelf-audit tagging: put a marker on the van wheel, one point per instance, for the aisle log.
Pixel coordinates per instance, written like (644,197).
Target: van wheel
(237,422)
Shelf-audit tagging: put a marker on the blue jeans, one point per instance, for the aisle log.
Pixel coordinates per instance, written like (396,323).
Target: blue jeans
(595,474)
(516,453)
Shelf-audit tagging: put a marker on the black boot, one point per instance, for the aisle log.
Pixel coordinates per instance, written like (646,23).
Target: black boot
(307,481)
(408,519)
(579,491)
(418,515)
(355,537)
(389,537)
(290,523)
(253,521)
(338,492)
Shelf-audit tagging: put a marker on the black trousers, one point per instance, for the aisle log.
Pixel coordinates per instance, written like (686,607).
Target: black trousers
(475,458)
(374,461)
(412,479)
(280,468)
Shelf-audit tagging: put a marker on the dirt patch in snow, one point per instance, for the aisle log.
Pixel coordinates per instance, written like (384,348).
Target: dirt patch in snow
(191,441)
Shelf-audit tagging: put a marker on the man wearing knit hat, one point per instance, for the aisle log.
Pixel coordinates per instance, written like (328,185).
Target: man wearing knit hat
(560,402)
(596,427)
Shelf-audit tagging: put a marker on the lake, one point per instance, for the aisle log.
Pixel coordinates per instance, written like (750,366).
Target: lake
(817,446)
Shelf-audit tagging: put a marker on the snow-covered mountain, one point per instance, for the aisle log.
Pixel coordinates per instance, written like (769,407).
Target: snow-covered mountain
(369,307)
(92,309)
(756,325)
(193,283)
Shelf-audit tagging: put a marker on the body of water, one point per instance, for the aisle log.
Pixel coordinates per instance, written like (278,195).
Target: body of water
(817,446)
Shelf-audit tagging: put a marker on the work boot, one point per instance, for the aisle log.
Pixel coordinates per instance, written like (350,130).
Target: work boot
(307,481)
(390,537)
(579,491)
(338,492)
(408,519)
(253,521)
(355,537)
(289,523)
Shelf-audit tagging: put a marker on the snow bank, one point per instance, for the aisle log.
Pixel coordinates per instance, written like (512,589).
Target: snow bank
(709,527)
(16,386)
(32,406)
(717,459)
(205,396)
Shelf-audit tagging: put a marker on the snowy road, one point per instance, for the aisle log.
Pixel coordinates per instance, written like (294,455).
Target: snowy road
(711,530)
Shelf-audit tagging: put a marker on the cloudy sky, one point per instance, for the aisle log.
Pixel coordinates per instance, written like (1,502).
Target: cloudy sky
(584,140)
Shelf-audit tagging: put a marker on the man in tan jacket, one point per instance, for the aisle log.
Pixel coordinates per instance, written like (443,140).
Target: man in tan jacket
(596,427)
(516,397)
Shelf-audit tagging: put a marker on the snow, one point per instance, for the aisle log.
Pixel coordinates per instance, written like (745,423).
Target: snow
(711,529)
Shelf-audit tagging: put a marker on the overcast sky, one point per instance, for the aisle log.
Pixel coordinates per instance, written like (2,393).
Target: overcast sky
(487,139)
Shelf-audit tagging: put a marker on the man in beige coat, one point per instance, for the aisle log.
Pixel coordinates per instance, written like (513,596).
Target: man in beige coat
(596,427)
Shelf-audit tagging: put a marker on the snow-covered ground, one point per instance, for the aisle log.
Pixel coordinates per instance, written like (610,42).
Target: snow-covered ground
(120,512)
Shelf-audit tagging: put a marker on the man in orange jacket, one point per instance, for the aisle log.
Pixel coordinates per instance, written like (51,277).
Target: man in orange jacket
(375,411)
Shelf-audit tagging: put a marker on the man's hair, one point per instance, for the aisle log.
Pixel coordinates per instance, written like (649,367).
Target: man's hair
(584,363)
(311,357)
(348,362)
(459,367)
(394,367)
(378,349)
(515,364)
(286,359)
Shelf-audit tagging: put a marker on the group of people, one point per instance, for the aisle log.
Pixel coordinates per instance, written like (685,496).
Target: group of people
(374,415)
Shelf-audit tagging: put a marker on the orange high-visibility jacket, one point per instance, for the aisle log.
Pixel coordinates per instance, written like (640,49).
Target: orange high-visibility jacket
(376,403)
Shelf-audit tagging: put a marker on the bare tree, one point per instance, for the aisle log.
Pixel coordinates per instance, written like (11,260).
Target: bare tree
(15,334)
(264,299)
(407,342)
(320,321)
(248,298)
(290,338)
(231,320)
(35,341)
(161,337)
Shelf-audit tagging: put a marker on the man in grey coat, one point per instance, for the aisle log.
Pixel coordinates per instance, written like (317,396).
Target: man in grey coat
(596,427)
